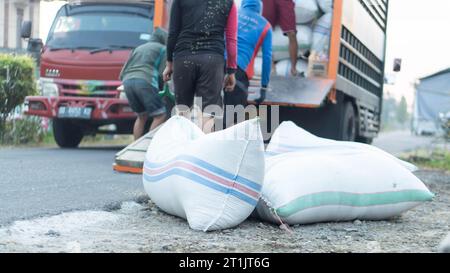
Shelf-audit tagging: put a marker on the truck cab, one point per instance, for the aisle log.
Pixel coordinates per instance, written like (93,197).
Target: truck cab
(80,64)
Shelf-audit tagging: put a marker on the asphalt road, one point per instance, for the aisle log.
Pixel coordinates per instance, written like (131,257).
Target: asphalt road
(47,181)
(37,182)
(398,142)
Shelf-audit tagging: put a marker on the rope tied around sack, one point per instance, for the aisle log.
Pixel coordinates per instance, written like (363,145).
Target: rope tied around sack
(283,226)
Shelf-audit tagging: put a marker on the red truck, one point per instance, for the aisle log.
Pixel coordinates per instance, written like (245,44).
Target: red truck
(80,63)
(90,41)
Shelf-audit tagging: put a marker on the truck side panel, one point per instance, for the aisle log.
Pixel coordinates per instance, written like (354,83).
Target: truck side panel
(361,59)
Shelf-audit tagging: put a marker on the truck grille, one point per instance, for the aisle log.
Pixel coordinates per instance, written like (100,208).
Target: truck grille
(100,91)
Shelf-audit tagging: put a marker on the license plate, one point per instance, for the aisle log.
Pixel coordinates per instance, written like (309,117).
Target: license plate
(75,112)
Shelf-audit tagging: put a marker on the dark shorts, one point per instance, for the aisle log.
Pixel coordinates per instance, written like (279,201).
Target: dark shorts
(281,13)
(144,98)
(238,97)
(199,76)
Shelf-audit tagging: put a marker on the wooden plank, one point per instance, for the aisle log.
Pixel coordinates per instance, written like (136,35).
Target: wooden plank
(133,156)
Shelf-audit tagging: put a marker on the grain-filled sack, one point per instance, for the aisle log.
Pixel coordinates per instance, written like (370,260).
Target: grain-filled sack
(258,66)
(213,181)
(280,42)
(284,68)
(290,138)
(306,11)
(321,34)
(326,6)
(330,186)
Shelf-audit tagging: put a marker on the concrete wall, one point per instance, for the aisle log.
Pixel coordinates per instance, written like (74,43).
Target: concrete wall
(10,13)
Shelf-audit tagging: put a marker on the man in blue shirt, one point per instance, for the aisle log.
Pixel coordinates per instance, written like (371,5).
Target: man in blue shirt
(254,32)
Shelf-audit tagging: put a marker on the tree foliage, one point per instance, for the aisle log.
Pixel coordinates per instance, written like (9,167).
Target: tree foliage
(16,82)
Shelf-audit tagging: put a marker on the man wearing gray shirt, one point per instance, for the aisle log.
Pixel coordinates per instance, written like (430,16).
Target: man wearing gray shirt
(142,79)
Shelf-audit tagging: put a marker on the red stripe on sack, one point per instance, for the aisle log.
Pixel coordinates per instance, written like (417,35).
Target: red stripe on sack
(198,170)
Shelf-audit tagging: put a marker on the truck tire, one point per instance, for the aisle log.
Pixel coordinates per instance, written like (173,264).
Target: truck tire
(364,140)
(349,123)
(67,134)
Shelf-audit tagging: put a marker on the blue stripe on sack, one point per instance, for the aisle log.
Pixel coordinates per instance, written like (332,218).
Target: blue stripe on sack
(200,180)
(209,167)
(322,30)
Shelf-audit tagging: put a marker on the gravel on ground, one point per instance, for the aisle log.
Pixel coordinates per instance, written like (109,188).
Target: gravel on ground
(142,227)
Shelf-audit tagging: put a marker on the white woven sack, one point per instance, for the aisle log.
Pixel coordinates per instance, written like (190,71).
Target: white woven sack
(290,138)
(326,6)
(331,186)
(306,11)
(213,181)
(311,179)
(322,33)
(284,68)
(258,66)
(280,42)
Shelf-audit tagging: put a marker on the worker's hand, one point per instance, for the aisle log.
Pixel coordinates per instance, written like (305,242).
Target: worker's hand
(230,82)
(167,74)
(294,72)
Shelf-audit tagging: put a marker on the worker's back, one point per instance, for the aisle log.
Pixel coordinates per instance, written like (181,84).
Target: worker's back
(254,31)
(201,26)
(148,60)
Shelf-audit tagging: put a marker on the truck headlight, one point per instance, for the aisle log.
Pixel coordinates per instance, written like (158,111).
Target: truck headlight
(49,89)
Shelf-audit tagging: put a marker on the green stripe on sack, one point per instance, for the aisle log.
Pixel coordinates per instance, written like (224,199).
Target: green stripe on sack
(353,200)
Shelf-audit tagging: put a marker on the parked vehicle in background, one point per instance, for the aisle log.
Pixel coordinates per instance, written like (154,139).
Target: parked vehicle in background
(87,46)
(341,97)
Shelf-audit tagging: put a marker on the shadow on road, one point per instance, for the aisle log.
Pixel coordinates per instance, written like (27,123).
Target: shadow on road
(100,148)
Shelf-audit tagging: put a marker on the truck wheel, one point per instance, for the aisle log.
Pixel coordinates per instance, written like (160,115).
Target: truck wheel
(349,123)
(67,134)
(365,140)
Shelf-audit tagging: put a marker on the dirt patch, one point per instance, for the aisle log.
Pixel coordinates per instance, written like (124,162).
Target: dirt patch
(144,228)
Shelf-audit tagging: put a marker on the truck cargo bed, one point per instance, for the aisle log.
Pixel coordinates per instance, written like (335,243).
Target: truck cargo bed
(290,91)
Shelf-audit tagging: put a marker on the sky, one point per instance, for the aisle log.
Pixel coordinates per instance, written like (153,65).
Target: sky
(48,12)
(418,33)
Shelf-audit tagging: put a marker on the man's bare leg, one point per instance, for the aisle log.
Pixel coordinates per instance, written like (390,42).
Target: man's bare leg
(208,124)
(139,125)
(293,51)
(157,121)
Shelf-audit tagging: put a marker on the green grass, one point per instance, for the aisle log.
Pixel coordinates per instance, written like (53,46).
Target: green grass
(48,139)
(105,140)
(437,159)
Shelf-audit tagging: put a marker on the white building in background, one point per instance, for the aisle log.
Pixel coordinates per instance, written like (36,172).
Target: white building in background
(12,14)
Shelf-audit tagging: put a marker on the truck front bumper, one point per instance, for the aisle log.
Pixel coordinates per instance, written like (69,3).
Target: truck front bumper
(103,109)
